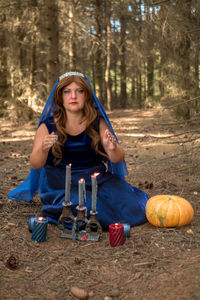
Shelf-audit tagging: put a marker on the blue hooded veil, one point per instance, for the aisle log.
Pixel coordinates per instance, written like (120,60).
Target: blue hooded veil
(31,184)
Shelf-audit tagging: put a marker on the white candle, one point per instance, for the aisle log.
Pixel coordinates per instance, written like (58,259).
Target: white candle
(67,183)
(94,191)
(81,191)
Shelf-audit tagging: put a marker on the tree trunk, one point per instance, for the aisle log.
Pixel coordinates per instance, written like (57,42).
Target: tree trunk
(3,62)
(133,89)
(98,61)
(13,58)
(150,76)
(72,36)
(161,83)
(182,57)
(52,44)
(139,89)
(150,56)
(108,52)
(123,96)
(139,63)
(197,62)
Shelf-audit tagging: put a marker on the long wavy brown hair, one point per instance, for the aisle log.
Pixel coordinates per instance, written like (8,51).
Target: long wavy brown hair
(60,117)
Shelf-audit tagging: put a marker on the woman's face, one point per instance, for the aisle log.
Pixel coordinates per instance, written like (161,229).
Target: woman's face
(73,96)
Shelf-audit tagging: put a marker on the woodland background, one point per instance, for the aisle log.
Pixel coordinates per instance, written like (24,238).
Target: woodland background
(136,53)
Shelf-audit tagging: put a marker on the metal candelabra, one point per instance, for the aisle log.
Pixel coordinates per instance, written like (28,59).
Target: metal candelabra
(81,227)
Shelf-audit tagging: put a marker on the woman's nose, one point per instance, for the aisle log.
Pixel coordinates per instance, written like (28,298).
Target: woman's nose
(73,94)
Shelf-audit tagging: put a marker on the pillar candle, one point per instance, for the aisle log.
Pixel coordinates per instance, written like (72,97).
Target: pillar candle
(67,183)
(94,192)
(116,234)
(81,191)
(39,231)
(127,229)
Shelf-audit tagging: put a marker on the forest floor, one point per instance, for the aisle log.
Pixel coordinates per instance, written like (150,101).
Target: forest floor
(154,263)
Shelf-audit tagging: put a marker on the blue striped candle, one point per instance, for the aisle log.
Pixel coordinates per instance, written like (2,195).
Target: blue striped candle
(39,231)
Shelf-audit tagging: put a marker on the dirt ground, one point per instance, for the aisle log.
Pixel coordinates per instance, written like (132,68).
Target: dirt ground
(154,263)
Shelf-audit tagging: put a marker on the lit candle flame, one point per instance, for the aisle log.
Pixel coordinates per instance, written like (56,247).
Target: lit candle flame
(96,174)
(40,219)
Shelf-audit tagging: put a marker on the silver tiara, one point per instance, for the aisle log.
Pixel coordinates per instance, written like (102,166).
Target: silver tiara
(70,74)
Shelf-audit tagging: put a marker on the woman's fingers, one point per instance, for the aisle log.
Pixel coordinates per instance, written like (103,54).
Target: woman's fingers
(52,138)
(49,141)
(109,140)
(110,136)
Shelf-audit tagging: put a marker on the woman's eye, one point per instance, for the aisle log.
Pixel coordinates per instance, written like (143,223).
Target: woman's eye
(80,91)
(66,91)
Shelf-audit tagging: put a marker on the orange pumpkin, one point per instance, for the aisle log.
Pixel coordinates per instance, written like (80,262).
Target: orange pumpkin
(169,211)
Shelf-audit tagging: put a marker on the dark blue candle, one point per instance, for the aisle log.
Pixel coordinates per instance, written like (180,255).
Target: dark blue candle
(39,231)
(31,222)
(127,228)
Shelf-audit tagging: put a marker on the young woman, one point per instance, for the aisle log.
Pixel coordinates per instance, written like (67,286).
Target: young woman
(74,129)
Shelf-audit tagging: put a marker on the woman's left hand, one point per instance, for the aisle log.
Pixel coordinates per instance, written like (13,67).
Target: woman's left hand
(109,140)
(112,148)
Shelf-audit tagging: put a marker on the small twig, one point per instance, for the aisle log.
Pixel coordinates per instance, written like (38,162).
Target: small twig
(183,142)
(44,271)
(175,135)
(159,2)
(194,257)
(187,168)
(179,122)
(155,159)
(182,102)
(95,283)
(167,270)
(144,264)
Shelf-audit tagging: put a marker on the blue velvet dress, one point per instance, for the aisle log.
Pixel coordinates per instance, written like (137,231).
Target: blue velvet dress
(116,199)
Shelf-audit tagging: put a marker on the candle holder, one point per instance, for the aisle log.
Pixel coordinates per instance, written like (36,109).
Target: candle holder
(66,220)
(93,227)
(80,223)
(81,219)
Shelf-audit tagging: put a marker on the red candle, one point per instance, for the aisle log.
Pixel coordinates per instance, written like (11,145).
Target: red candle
(116,234)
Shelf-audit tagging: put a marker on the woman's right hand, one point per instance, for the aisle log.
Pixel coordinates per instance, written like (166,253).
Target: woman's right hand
(48,141)
(42,143)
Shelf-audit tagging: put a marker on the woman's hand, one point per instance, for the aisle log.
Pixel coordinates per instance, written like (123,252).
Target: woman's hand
(42,143)
(109,141)
(48,141)
(111,147)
